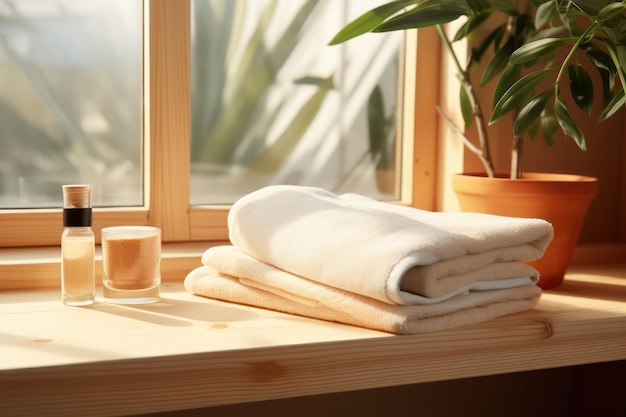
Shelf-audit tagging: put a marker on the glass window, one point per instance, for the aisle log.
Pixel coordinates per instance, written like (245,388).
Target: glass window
(70,101)
(272,103)
(300,128)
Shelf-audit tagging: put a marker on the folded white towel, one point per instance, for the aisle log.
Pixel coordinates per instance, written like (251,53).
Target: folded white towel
(394,254)
(231,275)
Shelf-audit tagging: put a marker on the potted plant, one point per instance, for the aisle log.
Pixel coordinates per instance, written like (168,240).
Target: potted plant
(538,46)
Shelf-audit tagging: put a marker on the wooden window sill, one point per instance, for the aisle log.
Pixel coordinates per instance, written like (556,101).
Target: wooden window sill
(190,352)
(40,267)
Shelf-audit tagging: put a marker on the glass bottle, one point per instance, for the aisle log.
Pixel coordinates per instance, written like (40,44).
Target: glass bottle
(78,284)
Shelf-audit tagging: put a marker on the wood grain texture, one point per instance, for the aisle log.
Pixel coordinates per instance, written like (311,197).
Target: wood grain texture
(44,227)
(425,120)
(190,352)
(169,116)
(41,267)
(208,223)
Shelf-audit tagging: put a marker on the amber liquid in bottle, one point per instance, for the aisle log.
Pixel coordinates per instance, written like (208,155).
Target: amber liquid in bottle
(78,285)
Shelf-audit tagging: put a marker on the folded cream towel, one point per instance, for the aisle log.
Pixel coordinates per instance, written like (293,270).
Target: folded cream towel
(231,275)
(394,254)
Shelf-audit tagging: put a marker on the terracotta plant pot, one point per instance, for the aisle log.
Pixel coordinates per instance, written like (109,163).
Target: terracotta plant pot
(561,199)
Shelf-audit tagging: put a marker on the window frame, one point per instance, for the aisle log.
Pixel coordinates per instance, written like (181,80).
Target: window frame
(167,130)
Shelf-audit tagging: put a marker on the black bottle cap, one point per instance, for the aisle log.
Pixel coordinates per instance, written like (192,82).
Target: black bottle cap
(77,217)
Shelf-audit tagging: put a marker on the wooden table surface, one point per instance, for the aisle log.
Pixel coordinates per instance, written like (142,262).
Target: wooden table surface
(189,352)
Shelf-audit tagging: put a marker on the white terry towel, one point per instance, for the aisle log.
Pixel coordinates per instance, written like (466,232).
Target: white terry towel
(394,254)
(231,275)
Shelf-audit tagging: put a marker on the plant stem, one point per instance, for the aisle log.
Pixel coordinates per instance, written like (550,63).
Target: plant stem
(516,157)
(572,51)
(475,149)
(484,152)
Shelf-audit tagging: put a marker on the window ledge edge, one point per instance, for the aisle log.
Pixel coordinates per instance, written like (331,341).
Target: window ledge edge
(40,267)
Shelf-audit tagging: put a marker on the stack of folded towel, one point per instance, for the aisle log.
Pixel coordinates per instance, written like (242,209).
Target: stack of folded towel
(355,260)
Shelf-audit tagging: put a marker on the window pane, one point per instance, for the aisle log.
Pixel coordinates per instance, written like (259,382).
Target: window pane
(70,100)
(273,103)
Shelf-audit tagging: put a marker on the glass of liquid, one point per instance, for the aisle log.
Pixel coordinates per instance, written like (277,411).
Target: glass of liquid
(131,261)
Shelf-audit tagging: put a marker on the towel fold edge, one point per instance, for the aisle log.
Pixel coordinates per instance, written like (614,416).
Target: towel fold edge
(205,281)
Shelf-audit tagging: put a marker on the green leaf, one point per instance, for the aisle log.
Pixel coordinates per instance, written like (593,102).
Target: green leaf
(549,128)
(516,95)
(600,59)
(608,86)
(508,78)
(621,58)
(369,20)
(606,68)
(466,106)
(529,114)
(493,37)
(591,7)
(621,24)
(534,50)
(581,87)
(426,14)
(613,106)
(478,5)
(545,13)
(621,29)
(567,122)
(470,26)
(504,6)
(498,62)
(611,10)
(524,26)
(550,32)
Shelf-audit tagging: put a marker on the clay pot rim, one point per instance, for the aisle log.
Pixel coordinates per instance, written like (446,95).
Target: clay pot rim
(532,177)
(546,184)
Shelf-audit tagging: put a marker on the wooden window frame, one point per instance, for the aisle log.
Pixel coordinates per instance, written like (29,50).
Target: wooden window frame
(167,130)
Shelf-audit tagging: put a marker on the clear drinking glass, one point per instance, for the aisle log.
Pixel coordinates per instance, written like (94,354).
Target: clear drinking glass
(131,260)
